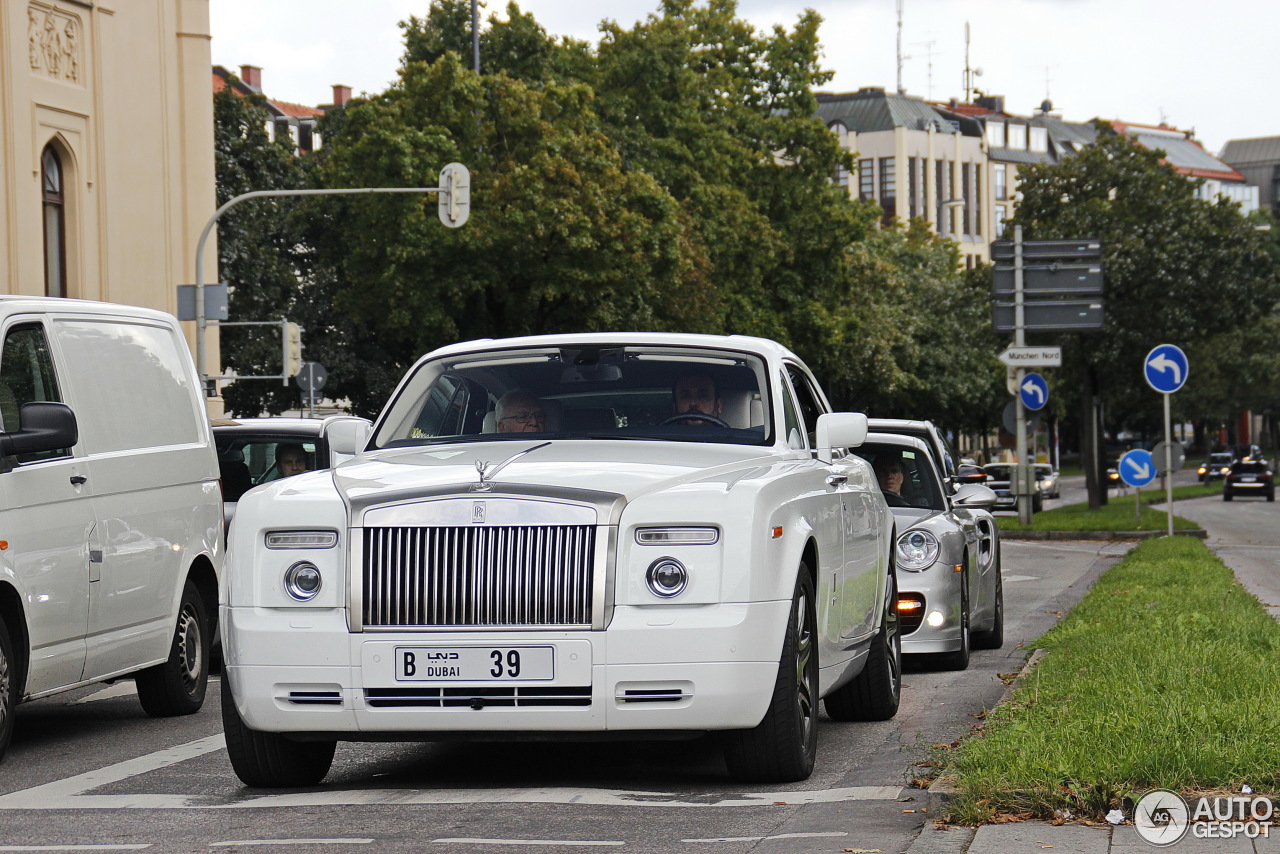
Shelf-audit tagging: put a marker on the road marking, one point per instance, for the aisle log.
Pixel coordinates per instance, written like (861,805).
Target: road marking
(128,688)
(138,847)
(1011,578)
(72,792)
(293,842)
(768,838)
(570,842)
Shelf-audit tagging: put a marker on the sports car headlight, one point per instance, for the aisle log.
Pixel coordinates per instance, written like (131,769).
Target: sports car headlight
(917,550)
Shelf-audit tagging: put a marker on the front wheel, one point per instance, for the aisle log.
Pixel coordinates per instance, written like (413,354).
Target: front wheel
(7,678)
(782,748)
(177,687)
(993,638)
(873,695)
(268,760)
(1226,496)
(959,659)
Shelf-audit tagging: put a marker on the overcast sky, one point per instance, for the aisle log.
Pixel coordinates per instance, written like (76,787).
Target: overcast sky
(1199,66)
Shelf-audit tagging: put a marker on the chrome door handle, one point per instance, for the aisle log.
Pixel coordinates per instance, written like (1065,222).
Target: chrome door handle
(837,479)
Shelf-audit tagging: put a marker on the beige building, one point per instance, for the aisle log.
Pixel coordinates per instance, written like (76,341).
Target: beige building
(106,150)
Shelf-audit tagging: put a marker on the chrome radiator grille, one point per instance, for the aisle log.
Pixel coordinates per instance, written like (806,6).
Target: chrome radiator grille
(478,576)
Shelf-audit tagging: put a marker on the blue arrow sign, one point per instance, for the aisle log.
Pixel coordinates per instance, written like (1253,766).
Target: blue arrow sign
(1034,392)
(1166,368)
(1137,468)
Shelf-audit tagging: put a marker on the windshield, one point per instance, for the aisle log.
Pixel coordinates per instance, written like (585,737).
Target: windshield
(904,475)
(686,394)
(998,471)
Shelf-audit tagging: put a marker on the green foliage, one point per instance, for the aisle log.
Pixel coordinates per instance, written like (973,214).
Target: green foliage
(257,253)
(1178,269)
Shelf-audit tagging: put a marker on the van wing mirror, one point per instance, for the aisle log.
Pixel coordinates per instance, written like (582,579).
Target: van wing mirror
(347,436)
(46,426)
(839,430)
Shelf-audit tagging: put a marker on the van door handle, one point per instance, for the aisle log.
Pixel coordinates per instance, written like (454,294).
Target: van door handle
(837,479)
(79,479)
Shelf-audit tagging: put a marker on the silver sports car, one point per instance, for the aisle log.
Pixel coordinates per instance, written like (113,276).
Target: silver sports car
(950,595)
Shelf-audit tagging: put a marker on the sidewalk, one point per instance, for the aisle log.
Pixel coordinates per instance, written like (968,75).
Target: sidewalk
(1028,836)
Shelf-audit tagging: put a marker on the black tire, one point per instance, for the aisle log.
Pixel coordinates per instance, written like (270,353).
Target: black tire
(782,748)
(959,660)
(269,760)
(1271,496)
(993,638)
(1226,496)
(874,694)
(8,676)
(177,687)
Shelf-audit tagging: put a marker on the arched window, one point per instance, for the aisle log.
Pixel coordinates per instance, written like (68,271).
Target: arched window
(55,224)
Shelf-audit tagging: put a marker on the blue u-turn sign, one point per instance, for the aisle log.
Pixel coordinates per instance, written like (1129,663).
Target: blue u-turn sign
(1166,368)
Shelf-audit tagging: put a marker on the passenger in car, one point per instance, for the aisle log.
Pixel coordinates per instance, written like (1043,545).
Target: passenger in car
(520,412)
(291,459)
(891,475)
(697,393)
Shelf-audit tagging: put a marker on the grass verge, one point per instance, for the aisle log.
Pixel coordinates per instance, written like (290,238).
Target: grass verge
(1118,514)
(1166,675)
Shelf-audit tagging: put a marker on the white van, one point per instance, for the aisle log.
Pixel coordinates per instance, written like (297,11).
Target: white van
(110,511)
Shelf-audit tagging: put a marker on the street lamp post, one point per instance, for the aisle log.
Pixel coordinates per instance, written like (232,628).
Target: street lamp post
(455,208)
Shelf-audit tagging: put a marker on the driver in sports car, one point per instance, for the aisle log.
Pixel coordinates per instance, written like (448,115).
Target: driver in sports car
(890,473)
(696,393)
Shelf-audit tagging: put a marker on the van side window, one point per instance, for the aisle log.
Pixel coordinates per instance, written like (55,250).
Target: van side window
(27,376)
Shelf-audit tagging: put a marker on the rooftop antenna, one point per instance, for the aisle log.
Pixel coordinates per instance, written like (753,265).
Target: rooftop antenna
(901,89)
(969,72)
(929,55)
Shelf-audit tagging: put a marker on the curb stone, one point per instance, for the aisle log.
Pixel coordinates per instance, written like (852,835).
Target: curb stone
(1199,533)
(943,790)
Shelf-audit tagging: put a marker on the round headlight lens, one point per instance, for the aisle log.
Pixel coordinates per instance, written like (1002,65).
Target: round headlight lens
(667,577)
(302,580)
(917,550)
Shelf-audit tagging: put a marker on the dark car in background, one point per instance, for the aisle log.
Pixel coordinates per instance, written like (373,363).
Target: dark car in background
(1215,466)
(1253,477)
(999,481)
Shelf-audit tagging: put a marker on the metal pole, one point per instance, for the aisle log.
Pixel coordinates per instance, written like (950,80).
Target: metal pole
(475,36)
(1023,469)
(202,322)
(1168,466)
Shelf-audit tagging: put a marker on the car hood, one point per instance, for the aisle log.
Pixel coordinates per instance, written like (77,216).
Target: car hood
(629,469)
(910,517)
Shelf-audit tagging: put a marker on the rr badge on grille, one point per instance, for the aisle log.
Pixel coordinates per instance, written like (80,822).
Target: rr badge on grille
(477,513)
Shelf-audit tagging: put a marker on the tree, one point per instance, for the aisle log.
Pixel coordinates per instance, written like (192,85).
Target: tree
(1167,257)
(257,249)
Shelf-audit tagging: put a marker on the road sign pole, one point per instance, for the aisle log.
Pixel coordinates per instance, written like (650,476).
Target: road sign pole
(1023,470)
(1168,466)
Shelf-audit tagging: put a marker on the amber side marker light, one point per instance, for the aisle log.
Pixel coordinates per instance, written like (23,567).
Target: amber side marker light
(777,532)
(909,605)
(4,544)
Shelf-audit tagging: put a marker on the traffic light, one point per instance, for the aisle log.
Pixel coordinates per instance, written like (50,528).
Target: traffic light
(292,349)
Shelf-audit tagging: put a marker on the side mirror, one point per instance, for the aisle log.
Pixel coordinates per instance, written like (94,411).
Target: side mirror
(347,436)
(839,430)
(46,426)
(974,495)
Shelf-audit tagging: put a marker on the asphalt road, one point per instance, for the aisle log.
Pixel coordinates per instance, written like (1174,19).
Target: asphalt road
(90,769)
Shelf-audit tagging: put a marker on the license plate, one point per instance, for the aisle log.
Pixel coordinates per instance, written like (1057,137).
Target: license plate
(475,663)
(1248,479)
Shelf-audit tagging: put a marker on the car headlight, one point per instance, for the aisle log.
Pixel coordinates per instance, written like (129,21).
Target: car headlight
(917,550)
(302,580)
(677,536)
(301,539)
(667,577)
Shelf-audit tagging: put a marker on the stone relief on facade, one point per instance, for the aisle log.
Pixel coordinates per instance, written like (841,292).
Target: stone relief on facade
(53,42)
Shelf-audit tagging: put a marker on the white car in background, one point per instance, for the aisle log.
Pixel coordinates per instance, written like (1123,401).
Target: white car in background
(624,568)
(1047,476)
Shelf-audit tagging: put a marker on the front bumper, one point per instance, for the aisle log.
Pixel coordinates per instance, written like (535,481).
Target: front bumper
(695,668)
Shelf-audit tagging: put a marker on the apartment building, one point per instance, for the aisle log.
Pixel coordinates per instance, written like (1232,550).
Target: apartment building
(106,149)
(296,122)
(915,162)
(1258,162)
(1185,154)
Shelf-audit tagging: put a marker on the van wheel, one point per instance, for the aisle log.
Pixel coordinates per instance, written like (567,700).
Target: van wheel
(7,679)
(177,686)
(873,695)
(268,760)
(782,748)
